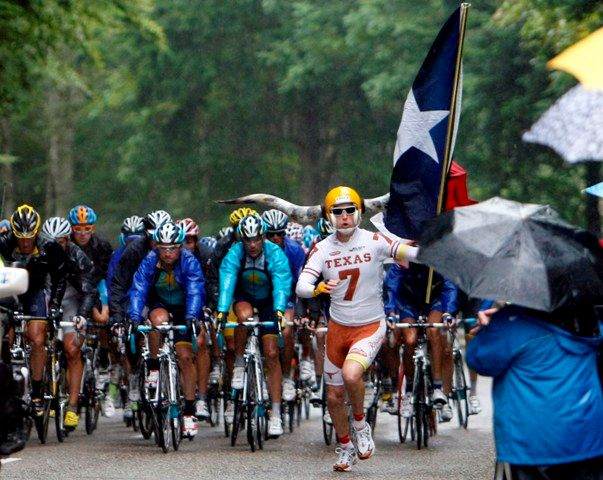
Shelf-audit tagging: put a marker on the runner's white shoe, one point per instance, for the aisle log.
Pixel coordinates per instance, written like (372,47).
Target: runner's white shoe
(346,458)
(306,370)
(364,441)
(446,413)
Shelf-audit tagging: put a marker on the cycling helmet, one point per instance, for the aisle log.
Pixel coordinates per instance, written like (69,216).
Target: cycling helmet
(56,227)
(310,237)
(4,227)
(237,215)
(132,226)
(154,220)
(82,215)
(295,231)
(209,241)
(324,227)
(251,226)
(169,233)
(224,232)
(25,222)
(275,220)
(190,227)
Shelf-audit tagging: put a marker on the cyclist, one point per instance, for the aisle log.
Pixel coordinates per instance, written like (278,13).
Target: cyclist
(83,221)
(406,289)
(202,362)
(4,227)
(170,282)
(229,237)
(41,258)
(276,225)
(132,228)
(295,231)
(129,262)
(256,274)
(351,263)
(77,306)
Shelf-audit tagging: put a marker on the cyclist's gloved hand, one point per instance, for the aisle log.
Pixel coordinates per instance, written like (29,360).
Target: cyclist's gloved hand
(192,322)
(279,317)
(448,319)
(133,325)
(79,322)
(392,319)
(117,329)
(54,314)
(221,317)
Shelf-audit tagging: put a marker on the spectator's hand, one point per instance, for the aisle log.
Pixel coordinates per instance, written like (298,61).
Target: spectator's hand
(484,316)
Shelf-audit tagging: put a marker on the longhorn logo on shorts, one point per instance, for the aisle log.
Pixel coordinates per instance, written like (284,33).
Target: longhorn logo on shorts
(330,374)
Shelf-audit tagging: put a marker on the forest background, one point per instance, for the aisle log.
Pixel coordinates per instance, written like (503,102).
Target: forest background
(134,105)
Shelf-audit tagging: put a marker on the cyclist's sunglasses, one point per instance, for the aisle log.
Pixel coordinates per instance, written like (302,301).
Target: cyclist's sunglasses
(169,248)
(275,234)
(339,210)
(83,228)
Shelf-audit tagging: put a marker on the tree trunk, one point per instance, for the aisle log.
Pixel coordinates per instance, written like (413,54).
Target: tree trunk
(60,107)
(593,216)
(7,185)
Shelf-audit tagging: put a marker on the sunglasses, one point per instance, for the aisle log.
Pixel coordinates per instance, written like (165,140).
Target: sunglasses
(83,228)
(275,234)
(252,240)
(169,248)
(337,211)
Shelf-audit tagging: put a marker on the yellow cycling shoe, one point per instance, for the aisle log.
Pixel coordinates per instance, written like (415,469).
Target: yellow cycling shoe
(71,419)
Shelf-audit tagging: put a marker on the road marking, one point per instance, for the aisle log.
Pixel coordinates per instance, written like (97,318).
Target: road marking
(9,460)
(136,436)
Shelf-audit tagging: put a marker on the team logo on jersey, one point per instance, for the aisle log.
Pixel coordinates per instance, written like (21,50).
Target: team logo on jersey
(348,260)
(359,247)
(336,252)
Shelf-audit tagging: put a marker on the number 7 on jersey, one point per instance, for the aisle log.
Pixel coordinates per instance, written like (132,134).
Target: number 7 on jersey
(353,273)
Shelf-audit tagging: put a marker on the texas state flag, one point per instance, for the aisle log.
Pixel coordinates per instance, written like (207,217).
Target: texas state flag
(420,144)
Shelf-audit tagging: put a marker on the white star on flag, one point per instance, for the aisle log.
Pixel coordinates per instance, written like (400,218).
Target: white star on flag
(414,129)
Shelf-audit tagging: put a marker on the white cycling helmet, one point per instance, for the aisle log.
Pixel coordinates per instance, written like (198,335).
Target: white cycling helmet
(251,226)
(154,220)
(56,227)
(275,220)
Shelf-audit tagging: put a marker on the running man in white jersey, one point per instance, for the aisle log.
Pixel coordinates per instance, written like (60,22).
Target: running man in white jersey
(351,263)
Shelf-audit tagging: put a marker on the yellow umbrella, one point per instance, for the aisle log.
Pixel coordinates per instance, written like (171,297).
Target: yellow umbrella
(584,60)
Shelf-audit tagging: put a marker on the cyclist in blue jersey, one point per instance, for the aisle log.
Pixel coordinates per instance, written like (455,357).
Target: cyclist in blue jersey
(170,282)
(256,274)
(276,226)
(405,289)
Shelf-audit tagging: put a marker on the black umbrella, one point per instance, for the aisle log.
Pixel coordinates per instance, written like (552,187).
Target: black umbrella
(520,253)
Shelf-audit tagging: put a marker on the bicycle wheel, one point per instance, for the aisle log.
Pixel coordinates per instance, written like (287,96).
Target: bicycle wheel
(176,412)
(291,414)
(60,402)
(41,422)
(238,418)
(459,391)
(327,428)
(163,407)
(252,407)
(91,405)
(419,396)
(145,420)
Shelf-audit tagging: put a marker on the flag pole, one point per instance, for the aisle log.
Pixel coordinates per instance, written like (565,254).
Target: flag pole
(451,126)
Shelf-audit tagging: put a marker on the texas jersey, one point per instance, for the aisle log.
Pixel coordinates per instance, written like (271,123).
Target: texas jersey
(358,265)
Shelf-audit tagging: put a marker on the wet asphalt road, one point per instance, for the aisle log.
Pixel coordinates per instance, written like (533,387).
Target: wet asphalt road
(115,452)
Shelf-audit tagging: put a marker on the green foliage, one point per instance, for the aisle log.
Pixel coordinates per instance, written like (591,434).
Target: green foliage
(188,101)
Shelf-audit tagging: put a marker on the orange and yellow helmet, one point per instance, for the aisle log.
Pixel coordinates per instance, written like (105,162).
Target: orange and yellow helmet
(25,222)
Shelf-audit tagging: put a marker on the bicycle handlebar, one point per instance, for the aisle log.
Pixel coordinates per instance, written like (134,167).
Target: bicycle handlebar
(250,324)
(421,325)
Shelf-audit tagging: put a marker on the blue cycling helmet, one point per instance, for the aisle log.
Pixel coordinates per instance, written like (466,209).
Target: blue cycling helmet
(209,241)
(4,226)
(324,227)
(82,215)
(169,233)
